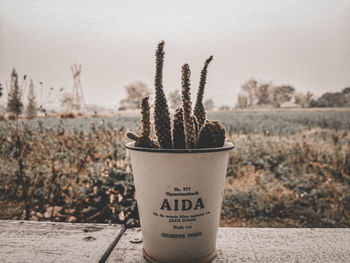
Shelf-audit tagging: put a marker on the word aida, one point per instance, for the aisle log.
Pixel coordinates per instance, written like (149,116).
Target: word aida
(185,205)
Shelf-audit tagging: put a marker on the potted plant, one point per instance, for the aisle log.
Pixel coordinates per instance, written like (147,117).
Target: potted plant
(179,178)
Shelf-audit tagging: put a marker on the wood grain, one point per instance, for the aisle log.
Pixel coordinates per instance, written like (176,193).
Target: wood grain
(24,241)
(63,242)
(258,245)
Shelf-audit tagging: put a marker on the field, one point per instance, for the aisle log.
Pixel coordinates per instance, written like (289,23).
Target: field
(288,169)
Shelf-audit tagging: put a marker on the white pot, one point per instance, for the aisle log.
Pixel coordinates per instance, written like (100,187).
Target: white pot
(179,194)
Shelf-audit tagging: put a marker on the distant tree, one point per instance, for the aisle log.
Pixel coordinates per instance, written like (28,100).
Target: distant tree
(14,103)
(209,104)
(330,99)
(300,99)
(336,99)
(32,106)
(303,99)
(135,92)
(0,90)
(309,96)
(255,92)
(282,94)
(67,101)
(263,93)
(175,98)
(250,88)
(316,103)
(242,101)
(346,92)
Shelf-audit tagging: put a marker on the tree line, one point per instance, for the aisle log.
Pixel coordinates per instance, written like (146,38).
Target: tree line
(255,93)
(136,91)
(15,106)
(15,99)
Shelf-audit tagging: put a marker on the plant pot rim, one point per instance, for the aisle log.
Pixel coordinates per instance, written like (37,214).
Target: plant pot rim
(227,146)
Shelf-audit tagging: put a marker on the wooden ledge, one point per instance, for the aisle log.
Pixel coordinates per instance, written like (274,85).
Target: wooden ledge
(259,245)
(23,241)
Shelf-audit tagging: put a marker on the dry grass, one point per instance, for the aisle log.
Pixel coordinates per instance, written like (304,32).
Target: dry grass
(295,180)
(287,170)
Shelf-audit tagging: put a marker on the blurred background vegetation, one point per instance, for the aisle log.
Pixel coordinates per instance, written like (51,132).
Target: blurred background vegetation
(290,166)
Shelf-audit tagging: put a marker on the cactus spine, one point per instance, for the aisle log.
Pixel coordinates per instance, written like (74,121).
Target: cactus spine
(199,110)
(161,110)
(187,108)
(178,129)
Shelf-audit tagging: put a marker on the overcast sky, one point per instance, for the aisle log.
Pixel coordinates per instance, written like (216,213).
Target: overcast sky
(302,43)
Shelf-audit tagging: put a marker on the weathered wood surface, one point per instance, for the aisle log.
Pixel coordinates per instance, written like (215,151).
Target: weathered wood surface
(63,242)
(23,241)
(258,245)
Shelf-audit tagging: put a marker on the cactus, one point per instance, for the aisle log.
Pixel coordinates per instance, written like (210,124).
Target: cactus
(190,130)
(161,110)
(187,108)
(178,129)
(211,135)
(132,136)
(199,110)
(144,140)
(141,141)
(145,119)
